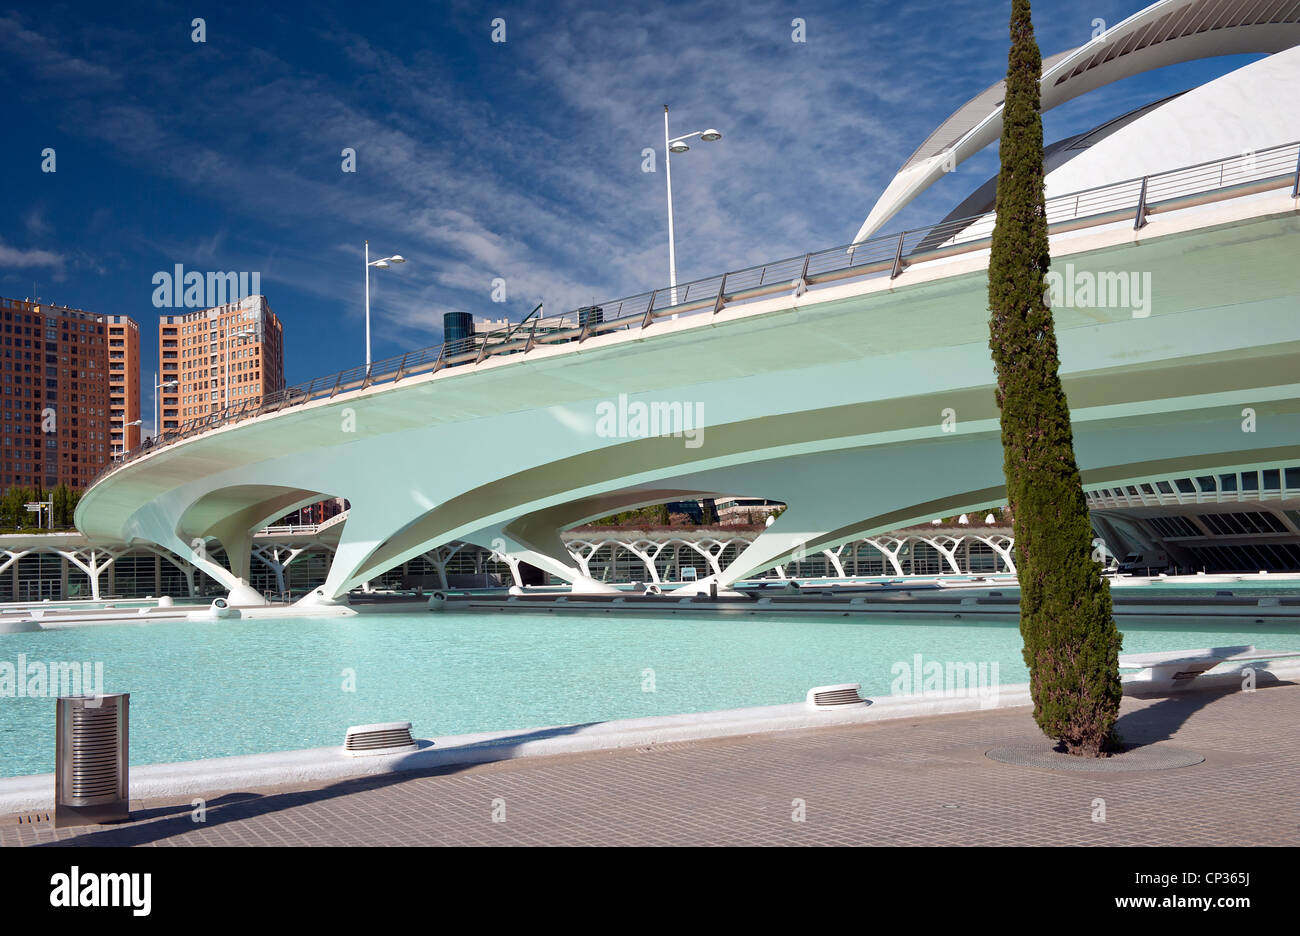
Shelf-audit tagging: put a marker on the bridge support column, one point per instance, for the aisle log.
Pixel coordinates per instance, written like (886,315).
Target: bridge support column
(368,526)
(274,558)
(239,592)
(238,543)
(365,531)
(539,547)
(796,531)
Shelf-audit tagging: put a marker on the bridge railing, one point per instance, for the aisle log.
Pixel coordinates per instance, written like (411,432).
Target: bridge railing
(883,255)
(290,529)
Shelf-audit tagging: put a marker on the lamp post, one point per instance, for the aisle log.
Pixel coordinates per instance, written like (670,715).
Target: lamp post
(677,145)
(125,425)
(156,387)
(383,264)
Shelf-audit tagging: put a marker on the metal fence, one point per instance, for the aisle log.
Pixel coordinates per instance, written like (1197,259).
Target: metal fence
(884,255)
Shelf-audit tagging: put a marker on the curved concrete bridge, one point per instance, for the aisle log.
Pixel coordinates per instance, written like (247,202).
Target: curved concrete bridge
(863,403)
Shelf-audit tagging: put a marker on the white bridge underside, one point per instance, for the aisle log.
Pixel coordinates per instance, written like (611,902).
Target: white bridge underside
(833,402)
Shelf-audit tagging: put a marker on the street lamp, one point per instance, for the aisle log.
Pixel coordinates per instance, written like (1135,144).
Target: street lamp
(678,145)
(156,387)
(383,264)
(125,426)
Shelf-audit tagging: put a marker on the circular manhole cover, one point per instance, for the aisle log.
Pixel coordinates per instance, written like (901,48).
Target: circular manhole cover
(1143,757)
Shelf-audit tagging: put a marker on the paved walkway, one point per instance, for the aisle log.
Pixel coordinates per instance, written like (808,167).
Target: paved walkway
(921,781)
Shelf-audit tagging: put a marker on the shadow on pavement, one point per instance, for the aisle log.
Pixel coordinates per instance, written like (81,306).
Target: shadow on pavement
(161,822)
(1161,721)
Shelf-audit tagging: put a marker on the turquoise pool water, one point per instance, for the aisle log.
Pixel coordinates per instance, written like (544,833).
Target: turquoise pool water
(208,689)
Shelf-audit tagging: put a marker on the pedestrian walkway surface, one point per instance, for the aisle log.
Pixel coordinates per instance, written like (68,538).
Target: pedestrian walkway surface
(914,781)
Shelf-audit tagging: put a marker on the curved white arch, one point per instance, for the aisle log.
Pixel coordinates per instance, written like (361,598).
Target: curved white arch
(1166,33)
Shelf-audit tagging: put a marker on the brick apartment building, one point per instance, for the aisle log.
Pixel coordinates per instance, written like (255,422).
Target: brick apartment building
(223,356)
(55,409)
(123,382)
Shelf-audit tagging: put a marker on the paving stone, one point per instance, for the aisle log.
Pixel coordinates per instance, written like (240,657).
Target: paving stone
(906,782)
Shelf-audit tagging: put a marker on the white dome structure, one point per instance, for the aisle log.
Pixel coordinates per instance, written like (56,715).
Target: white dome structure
(1250,109)
(1244,112)
(1166,33)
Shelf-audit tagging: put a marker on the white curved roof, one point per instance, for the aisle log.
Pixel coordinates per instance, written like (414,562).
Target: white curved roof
(1247,110)
(1165,33)
(1250,110)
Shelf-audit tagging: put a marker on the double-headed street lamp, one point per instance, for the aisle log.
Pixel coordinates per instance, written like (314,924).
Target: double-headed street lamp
(125,425)
(383,264)
(678,145)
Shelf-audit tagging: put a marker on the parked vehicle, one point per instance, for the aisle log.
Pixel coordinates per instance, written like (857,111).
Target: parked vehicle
(1144,563)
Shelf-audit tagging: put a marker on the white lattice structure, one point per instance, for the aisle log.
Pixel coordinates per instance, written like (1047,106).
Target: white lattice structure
(290,561)
(658,560)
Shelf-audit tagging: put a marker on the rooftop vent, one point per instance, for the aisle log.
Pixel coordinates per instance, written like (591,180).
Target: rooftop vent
(833,697)
(384,738)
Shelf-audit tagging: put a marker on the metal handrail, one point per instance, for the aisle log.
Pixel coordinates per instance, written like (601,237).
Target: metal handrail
(1276,167)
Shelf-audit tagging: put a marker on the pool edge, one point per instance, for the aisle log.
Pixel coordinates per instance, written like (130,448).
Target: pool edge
(35,793)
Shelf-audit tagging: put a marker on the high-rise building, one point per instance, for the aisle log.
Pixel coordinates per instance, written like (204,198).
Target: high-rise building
(123,382)
(223,356)
(54,394)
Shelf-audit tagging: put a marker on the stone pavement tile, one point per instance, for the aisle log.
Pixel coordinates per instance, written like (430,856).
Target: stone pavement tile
(921,781)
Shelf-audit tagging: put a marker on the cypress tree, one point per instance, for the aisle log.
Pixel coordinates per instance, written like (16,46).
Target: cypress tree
(1071,644)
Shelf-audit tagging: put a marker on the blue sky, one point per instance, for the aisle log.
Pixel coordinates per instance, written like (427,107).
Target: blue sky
(476,160)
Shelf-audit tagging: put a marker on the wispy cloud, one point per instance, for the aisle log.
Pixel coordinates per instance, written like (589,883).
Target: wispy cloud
(32,258)
(520,160)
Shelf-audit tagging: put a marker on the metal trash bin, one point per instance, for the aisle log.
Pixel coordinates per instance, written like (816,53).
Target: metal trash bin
(91,759)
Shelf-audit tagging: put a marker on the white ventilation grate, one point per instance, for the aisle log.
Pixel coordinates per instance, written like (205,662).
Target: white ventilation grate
(384,738)
(833,697)
(94,764)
